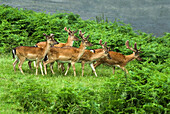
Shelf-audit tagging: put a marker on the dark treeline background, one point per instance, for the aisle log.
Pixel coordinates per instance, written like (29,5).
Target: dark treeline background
(150,16)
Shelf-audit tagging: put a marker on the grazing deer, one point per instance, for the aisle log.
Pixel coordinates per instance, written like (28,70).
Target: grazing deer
(66,55)
(118,59)
(37,54)
(90,57)
(70,41)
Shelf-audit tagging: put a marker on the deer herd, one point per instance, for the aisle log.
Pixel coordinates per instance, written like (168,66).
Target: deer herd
(52,51)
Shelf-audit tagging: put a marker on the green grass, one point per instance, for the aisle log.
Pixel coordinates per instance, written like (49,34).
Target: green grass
(8,77)
(143,82)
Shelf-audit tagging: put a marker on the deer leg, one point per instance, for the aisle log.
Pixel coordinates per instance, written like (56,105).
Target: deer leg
(62,67)
(97,64)
(68,67)
(92,66)
(29,64)
(58,65)
(34,64)
(20,65)
(126,72)
(14,64)
(41,68)
(51,67)
(38,62)
(82,67)
(73,65)
(45,65)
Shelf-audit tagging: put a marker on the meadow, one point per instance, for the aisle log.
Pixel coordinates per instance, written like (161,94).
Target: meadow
(145,91)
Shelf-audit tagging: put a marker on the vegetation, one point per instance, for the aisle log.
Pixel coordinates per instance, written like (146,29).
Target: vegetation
(146,91)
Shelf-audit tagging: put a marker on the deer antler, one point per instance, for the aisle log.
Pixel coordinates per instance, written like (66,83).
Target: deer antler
(100,42)
(75,31)
(133,49)
(81,34)
(87,37)
(105,44)
(127,46)
(65,28)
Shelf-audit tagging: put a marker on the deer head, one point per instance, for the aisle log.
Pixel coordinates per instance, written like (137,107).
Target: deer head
(71,34)
(51,39)
(135,50)
(106,49)
(85,39)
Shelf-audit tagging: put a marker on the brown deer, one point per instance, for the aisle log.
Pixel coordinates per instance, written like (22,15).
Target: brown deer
(37,54)
(118,59)
(90,57)
(66,55)
(70,41)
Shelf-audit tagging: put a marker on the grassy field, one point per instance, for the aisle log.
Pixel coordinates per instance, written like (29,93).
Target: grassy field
(11,81)
(8,77)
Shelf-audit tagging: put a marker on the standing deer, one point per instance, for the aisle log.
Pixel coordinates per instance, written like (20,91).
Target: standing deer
(37,54)
(90,57)
(70,41)
(118,59)
(66,55)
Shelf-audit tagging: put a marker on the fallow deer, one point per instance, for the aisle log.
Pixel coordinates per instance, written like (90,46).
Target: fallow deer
(70,41)
(90,57)
(118,59)
(66,55)
(37,54)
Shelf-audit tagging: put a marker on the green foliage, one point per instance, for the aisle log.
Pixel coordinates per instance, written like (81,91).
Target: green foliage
(33,95)
(142,94)
(30,95)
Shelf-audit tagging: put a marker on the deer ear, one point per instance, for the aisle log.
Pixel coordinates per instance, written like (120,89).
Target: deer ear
(51,34)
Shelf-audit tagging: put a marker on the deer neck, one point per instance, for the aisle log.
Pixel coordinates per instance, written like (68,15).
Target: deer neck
(82,50)
(46,48)
(69,41)
(130,57)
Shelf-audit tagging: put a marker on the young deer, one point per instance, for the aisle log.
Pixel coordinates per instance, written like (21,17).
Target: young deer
(37,54)
(90,57)
(70,41)
(66,55)
(118,59)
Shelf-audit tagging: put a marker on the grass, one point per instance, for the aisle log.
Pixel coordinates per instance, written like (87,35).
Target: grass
(10,80)
(8,77)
